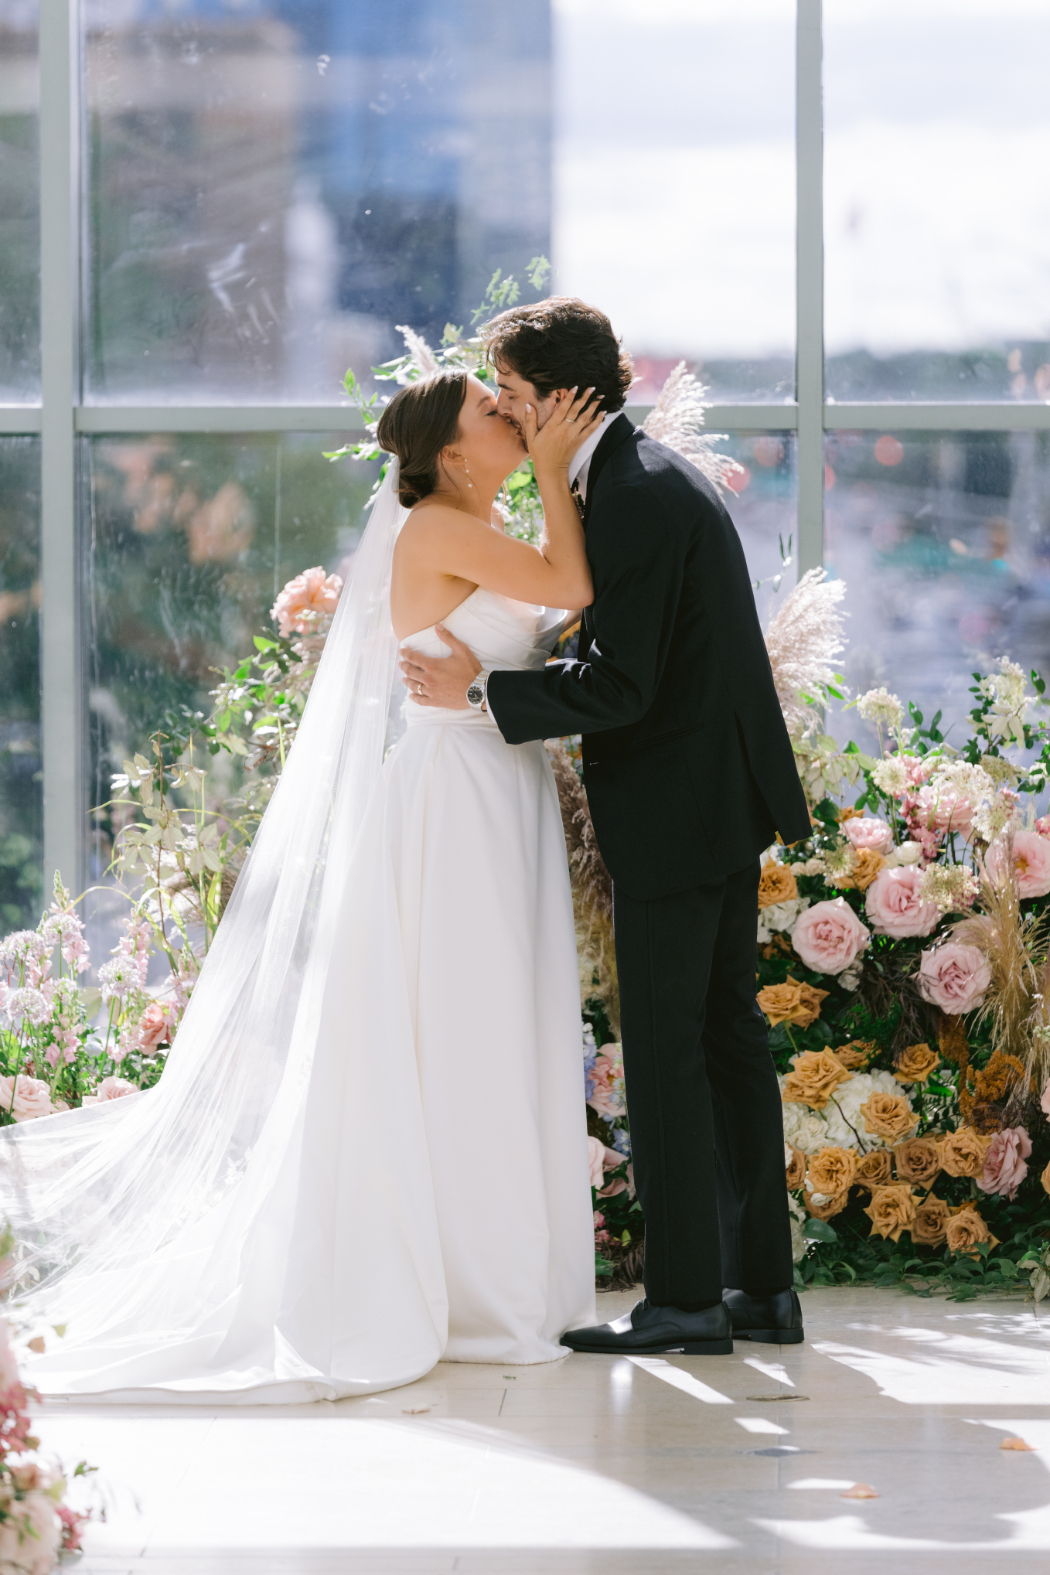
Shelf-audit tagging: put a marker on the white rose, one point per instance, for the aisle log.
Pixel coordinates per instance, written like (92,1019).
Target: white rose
(907,853)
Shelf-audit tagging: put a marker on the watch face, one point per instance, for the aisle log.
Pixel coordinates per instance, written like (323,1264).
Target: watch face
(475,693)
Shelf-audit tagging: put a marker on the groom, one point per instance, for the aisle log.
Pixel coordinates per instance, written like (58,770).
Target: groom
(689,774)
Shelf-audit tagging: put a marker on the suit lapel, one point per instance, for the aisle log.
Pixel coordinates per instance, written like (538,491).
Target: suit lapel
(617,432)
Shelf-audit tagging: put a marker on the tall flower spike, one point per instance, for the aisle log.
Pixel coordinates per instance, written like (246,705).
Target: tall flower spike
(803,641)
(677,418)
(423,358)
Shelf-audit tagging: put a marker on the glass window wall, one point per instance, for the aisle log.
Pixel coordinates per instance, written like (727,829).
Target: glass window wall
(943,540)
(937,204)
(21,777)
(19,203)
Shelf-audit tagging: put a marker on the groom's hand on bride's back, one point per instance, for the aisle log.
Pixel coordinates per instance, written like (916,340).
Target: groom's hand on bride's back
(440,680)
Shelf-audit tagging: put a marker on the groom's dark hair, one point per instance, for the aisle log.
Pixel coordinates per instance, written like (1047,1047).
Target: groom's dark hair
(561,343)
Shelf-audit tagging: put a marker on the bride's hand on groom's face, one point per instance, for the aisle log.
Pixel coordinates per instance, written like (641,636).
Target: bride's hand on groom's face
(440,680)
(569,424)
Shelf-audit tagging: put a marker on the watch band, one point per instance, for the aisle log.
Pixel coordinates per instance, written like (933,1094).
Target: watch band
(477,690)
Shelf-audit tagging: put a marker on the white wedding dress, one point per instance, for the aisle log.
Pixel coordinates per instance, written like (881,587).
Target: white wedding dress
(420,1188)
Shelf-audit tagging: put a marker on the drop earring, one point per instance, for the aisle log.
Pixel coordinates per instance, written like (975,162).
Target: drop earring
(469,483)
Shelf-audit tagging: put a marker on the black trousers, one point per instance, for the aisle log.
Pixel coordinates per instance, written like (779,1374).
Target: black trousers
(705,1111)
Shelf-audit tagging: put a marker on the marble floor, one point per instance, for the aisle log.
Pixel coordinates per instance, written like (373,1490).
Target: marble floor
(730,1463)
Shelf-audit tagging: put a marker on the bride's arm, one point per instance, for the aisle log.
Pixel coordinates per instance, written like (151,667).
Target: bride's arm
(554,574)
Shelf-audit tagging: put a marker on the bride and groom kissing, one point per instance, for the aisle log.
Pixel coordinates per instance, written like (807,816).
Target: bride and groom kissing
(397,1170)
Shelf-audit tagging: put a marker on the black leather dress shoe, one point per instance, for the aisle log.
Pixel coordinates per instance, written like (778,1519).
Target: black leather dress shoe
(648,1331)
(771,1320)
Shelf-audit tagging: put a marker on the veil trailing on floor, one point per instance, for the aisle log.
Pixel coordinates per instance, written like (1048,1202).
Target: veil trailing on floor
(124,1212)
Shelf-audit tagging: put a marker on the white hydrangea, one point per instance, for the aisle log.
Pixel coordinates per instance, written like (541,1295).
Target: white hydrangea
(799,1245)
(844,1122)
(780,918)
(804,1128)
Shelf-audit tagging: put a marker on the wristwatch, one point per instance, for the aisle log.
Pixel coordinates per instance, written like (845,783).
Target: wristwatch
(476,691)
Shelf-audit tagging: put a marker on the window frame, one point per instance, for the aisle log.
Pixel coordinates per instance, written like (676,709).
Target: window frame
(62,419)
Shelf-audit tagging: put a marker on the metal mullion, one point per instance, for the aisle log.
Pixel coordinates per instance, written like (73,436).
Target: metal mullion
(937,417)
(19,420)
(809,284)
(61,705)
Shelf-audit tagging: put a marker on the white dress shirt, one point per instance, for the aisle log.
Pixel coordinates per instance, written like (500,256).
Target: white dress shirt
(580,463)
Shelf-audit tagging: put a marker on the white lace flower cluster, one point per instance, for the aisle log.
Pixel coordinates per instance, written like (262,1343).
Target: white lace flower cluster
(882,709)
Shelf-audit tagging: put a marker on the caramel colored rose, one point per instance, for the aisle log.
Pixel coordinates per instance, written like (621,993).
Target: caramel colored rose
(916,1063)
(813,1079)
(928,1226)
(891,1210)
(965,1231)
(868,865)
(795,1169)
(1045,1179)
(776,884)
(888,1116)
(832,1170)
(874,1169)
(849,813)
(918,1161)
(791,1002)
(829,1208)
(963,1153)
(856,1054)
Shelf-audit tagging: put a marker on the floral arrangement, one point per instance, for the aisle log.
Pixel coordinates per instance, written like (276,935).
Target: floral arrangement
(36,1524)
(903,957)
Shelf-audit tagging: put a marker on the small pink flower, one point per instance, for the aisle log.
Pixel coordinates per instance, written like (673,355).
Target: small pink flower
(1042,825)
(829,936)
(954,977)
(1031,862)
(304,600)
(110,1088)
(1005,1168)
(894,906)
(864,833)
(29,1098)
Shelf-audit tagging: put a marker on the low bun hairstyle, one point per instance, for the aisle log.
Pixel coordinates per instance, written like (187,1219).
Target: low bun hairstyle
(421,420)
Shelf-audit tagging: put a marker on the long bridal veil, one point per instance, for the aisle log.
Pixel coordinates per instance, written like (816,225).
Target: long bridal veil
(124,1212)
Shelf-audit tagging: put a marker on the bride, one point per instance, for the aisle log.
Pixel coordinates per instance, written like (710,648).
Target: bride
(368,1148)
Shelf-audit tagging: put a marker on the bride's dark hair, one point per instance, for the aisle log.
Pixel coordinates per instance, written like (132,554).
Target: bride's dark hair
(417,424)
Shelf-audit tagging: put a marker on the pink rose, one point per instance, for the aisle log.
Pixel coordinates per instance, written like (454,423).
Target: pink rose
(154,1026)
(32,1098)
(829,936)
(601,1159)
(304,600)
(1005,1168)
(942,810)
(1031,862)
(874,834)
(110,1088)
(954,977)
(894,906)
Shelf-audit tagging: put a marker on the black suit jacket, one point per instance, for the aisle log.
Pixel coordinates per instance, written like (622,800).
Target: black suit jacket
(687,761)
